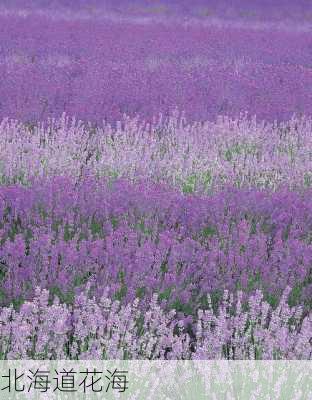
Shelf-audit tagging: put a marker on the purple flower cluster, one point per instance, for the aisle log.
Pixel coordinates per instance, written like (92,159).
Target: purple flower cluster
(192,157)
(141,238)
(105,329)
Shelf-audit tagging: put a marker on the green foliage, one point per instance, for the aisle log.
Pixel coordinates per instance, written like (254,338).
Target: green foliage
(15,228)
(193,181)
(164,267)
(114,222)
(295,295)
(140,292)
(121,293)
(165,295)
(189,185)
(140,325)
(3,296)
(216,297)
(239,149)
(307,179)
(209,231)
(254,281)
(3,270)
(272,299)
(64,297)
(206,179)
(96,227)
(185,308)
(141,226)
(82,279)
(69,232)
(17,303)
(97,156)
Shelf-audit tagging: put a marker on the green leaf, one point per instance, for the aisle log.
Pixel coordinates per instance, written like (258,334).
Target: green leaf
(114,222)
(121,293)
(140,292)
(164,267)
(185,308)
(82,279)
(165,295)
(209,231)
(96,227)
(189,185)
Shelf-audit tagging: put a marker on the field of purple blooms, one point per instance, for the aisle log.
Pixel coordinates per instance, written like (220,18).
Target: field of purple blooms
(155,180)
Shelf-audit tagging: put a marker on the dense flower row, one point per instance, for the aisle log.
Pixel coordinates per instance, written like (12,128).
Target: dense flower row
(190,156)
(241,11)
(104,329)
(90,69)
(141,239)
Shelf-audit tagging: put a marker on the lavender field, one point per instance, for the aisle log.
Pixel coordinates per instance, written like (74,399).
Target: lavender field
(156,179)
